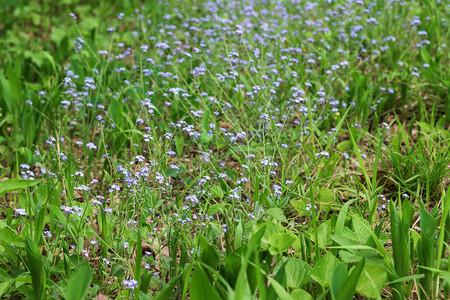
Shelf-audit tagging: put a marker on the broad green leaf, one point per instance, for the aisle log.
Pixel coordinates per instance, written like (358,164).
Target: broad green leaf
(179,144)
(209,254)
(145,283)
(325,195)
(349,256)
(57,35)
(201,287)
(300,294)
(348,290)
(338,280)
(297,273)
(271,228)
(299,206)
(4,287)
(426,250)
(15,85)
(205,138)
(425,56)
(79,282)
(324,268)
(238,235)
(280,291)
(373,279)
(323,234)
(361,231)
(400,244)
(17,184)
(242,290)
(8,236)
(216,191)
(174,172)
(407,214)
(35,264)
(6,93)
(277,284)
(39,226)
(277,214)
(427,223)
(347,237)
(255,239)
(280,242)
(215,208)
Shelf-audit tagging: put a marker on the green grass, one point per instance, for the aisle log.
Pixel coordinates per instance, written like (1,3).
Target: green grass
(224,150)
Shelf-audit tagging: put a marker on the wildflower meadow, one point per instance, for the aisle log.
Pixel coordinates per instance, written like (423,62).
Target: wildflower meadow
(227,149)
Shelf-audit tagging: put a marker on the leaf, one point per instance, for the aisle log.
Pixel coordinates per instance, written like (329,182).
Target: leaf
(4,287)
(426,249)
(299,206)
(6,93)
(57,35)
(17,184)
(278,288)
(35,264)
(9,236)
(167,289)
(242,289)
(179,145)
(277,285)
(216,191)
(347,237)
(341,218)
(280,242)
(271,228)
(324,268)
(427,223)
(79,282)
(338,280)
(205,138)
(215,208)
(348,257)
(297,273)
(39,226)
(407,215)
(325,195)
(145,283)
(425,56)
(174,172)
(238,235)
(400,245)
(201,287)
(210,255)
(277,214)
(256,238)
(361,228)
(323,234)
(15,85)
(373,279)
(348,290)
(300,294)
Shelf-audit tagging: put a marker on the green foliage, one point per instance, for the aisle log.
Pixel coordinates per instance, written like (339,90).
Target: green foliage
(10,185)
(79,282)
